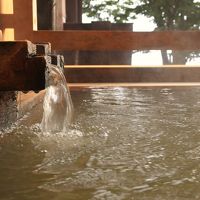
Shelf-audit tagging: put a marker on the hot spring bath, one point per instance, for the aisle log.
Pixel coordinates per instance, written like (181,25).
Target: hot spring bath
(134,144)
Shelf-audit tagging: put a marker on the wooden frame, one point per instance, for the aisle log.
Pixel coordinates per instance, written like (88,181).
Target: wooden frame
(23,21)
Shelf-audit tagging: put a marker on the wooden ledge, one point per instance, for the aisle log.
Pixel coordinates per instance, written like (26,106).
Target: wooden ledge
(127,66)
(73,86)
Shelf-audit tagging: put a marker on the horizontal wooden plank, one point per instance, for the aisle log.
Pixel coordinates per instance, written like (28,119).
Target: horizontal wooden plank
(128,66)
(80,86)
(133,75)
(119,40)
(6,20)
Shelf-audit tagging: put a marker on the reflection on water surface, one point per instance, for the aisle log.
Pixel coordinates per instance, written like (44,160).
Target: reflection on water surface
(124,144)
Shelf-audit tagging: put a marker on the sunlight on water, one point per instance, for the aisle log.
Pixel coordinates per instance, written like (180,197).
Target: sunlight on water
(58,108)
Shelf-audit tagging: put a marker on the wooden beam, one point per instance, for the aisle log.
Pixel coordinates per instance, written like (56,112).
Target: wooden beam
(132,74)
(119,40)
(128,66)
(83,86)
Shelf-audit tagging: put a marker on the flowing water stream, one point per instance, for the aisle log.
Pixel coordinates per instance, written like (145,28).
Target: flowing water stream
(123,144)
(57,106)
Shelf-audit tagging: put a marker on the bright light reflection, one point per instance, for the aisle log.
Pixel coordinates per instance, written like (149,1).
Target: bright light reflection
(6,7)
(8,34)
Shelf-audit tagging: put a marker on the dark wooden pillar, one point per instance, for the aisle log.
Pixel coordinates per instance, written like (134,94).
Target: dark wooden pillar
(45,14)
(51,14)
(73,11)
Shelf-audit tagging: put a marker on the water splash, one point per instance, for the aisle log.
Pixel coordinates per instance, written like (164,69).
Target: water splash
(57,106)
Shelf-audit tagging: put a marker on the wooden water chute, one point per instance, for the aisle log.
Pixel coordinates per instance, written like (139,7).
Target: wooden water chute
(23,65)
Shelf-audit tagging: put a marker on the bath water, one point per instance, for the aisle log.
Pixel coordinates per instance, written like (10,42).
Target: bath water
(123,144)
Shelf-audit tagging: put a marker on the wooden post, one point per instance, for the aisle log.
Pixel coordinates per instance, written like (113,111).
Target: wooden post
(73,11)
(45,14)
(58,14)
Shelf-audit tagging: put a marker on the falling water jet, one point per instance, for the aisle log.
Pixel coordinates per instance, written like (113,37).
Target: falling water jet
(57,106)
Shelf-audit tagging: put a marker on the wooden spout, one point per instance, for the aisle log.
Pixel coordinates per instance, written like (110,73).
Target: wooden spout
(21,67)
